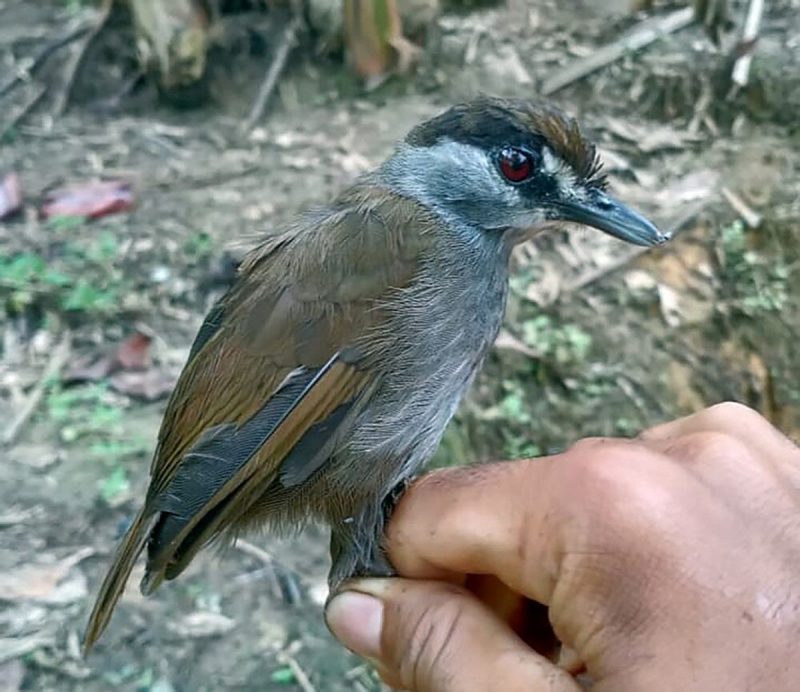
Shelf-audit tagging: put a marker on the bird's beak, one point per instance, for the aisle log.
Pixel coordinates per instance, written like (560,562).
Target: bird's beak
(607,214)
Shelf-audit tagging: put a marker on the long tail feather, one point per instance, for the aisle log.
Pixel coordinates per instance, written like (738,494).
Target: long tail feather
(114,584)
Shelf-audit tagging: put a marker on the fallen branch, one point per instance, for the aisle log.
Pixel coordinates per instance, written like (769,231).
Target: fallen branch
(275,69)
(749,215)
(287,587)
(643,35)
(622,261)
(19,113)
(752,24)
(54,366)
(300,676)
(46,51)
(62,101)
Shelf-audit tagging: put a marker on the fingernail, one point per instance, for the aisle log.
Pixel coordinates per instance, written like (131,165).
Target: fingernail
(356,620)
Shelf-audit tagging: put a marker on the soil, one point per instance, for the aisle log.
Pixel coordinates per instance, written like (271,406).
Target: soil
(597,340)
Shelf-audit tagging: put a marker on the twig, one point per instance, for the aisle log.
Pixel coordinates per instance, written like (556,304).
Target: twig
(62,101)
(254,551)
(647,32)
(300,676)
(750,216)
(57,361)
(286,582)
(46,51)
(21,111)
(741,68)
(601,272)
(17,647)
(266,559)
(627,389)
(275,68)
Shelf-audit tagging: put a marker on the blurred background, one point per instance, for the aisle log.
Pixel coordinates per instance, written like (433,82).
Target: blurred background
(144,142)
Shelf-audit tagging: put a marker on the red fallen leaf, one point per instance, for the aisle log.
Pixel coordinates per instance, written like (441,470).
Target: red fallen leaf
(131,355)
(10,195)
(134,352)
(90,200)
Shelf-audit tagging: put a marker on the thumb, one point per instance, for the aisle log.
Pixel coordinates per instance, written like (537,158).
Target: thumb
(428,636)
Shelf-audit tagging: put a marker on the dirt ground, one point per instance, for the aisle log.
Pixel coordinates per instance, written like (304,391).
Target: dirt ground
(97,316)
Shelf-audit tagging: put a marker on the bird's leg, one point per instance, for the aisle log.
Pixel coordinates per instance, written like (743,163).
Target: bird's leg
(357,542)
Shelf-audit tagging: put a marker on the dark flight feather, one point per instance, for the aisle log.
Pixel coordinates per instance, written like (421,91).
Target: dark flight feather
(220,453)
(309,454)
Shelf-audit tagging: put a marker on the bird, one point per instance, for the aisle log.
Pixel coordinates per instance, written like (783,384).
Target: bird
(323,380)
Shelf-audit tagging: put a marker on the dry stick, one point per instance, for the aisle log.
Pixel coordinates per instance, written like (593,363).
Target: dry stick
(62,101)
(741,68)
(601,272)
(647,32)
(272,564)
(57,361)
(252,550)
(39,59)
(275,69)
(750,216)
(300,676)
(21,112)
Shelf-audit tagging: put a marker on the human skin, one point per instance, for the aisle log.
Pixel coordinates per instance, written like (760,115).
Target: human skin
(668,562)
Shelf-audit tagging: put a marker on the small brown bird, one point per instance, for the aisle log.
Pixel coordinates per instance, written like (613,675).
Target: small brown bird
(326,375)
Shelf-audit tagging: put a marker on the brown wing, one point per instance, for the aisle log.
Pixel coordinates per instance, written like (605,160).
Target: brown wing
(273,359)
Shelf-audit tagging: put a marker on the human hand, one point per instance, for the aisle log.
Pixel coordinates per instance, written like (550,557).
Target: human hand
(669,562)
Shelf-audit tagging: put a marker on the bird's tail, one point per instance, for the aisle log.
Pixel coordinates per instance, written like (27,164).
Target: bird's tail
(114,584)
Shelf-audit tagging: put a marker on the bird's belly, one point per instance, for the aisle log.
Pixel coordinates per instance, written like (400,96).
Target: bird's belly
(402,425)
(426,357)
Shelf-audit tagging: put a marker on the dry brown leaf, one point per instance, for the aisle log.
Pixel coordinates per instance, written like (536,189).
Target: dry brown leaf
(55,583)
(651,138)
(374,38)
(680,380)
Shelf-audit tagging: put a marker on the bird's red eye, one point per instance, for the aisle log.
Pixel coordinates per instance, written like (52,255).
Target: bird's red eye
(515,164)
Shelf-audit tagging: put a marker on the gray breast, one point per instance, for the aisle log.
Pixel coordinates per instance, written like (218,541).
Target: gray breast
(436,339)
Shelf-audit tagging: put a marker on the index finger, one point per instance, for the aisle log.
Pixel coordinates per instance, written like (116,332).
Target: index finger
(490,519)
(521,520)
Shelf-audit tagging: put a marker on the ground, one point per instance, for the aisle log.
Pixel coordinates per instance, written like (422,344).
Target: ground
(598,340)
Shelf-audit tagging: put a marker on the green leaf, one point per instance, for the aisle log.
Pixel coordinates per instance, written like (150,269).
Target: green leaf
(65,223)
(115,484)
(283,676)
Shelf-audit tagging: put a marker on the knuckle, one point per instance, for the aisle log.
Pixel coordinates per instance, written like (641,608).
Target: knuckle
(619,493)
(590,444)
(708,447)
(730,413)
(603,469)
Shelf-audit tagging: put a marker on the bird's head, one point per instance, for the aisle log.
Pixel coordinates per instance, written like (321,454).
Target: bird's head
(511,166)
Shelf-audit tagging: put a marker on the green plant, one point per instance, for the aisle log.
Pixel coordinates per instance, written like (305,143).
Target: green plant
(82,278)
(198,246)
(91,416)
(283,676)
(563,344)
(755,283)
